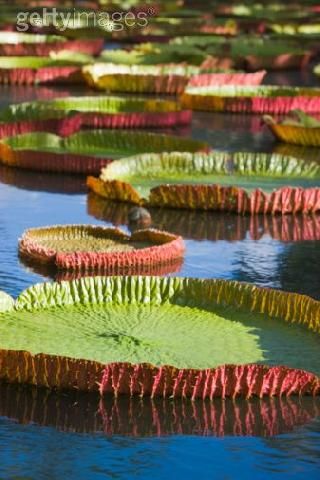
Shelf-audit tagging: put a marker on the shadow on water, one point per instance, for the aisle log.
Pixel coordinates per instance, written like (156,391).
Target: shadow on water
(125,416)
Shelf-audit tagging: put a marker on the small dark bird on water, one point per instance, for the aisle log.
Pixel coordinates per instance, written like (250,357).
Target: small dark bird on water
(139,217)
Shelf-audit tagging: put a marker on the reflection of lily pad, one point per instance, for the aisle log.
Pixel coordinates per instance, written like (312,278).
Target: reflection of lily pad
(252,99)
(103,330)
(213,181)
(132,416)
(109,250)
(86,151)
(298,128)
(42,182)
(103,112)
(209,225)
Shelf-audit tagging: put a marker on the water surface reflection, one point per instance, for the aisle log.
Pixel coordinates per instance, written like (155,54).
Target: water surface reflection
(145,417)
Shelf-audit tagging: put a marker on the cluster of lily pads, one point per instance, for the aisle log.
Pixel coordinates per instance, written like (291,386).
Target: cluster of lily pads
(132,334)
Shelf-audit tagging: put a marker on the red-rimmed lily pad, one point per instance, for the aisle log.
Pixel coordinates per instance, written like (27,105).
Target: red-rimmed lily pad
(252,99)
(89,248)
(85,151)
(60,68)
(298,128)
(136,336)
(171,78)
(249,52)
(294,28)
(67,115)
(232,182)
(27,44)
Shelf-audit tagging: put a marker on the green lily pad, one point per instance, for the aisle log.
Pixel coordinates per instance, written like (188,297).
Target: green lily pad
(155,320)
(154,55)
(297,118)
(249,91)
(191,48)
(102,143)
(248,170)
(14,38)
(61,107)
(6,302)
(59,59)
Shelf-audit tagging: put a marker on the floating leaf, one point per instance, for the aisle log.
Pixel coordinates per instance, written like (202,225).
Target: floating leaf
(86,151)
(94,112)
(87,248)
(105,333)
(213,181)
(298,128)
(252,99)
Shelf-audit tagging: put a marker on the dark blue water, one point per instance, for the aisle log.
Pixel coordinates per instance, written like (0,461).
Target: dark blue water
(48,436)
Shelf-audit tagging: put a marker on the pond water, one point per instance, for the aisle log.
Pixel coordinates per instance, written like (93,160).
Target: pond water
(50,436)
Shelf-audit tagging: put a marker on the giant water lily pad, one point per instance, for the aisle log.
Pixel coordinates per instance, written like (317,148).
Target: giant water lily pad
(298,128)
(71,113)
(252,99)
(169,78)
(85,151)
(28,44)
(154,55)
(61,67)
(264,11)
(160,27)
(295,28)
(88,248)
(106,333)
(213,181)
(248,52)
(6,302)
(169,53)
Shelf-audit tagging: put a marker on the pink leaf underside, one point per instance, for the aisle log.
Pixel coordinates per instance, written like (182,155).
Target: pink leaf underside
(225,381)
(250,380)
